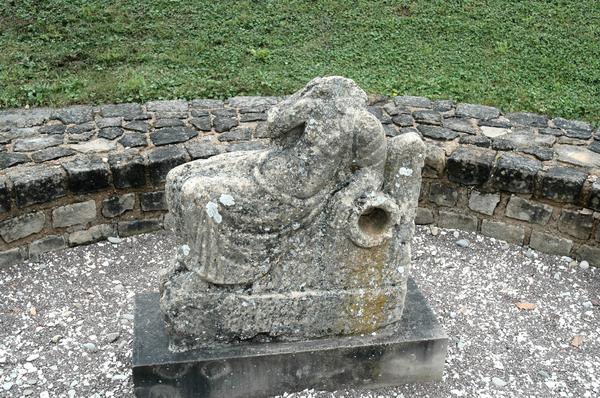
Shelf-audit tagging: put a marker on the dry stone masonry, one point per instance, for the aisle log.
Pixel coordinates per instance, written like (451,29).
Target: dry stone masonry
(306,239)
(520,177)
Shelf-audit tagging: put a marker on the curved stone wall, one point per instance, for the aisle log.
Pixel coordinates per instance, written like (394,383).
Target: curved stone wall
(79,174)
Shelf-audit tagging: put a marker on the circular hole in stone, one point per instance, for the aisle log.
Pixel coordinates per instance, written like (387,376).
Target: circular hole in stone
(374,221)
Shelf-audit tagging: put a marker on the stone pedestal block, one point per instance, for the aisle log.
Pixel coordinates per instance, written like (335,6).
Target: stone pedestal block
(413,350)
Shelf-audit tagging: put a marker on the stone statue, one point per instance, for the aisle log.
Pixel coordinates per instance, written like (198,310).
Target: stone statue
(309,238)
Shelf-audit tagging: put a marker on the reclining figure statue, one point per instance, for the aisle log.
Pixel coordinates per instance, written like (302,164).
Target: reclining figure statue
(309,238)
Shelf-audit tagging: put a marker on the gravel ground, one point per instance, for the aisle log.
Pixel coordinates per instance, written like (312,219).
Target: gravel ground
(66,320)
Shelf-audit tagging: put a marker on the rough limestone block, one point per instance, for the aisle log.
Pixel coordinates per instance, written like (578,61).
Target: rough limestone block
(590,254)
(514,173)
(443,194)
(39,184)
(506,232)
(550,243)
(117,205)
(528,210)
(46,244)
(92,234)
(22,226)
(593,201)
(484,203)
(128,169)
(435,161)
(576,223)
(153,201)
(456,220)
(561,184)
(470,165)
(424,216)
(477,111)
(161,160)
(306,239)
(4,195)
(136,227)
(87,174)
(12,256)
(74,214)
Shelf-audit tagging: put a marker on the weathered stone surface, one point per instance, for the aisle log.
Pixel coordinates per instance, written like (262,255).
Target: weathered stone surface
(460,124)
(551,131)
(161,160)
(391,131)
(539,152)
(246,146)
(77,114)
(579,134)
(578,156)
(594,199)
(110,133)
(484,203)
(169,106)
(443,194)
(470,165)
(24,117)
(561,184)
(251,103)
(169,122)
(80,128)
(506,232)
(477,111)
(456,220)
(109,122)
(527,119)
(136,227)
(428,117)
(236,134)
(424,216)
(37,143)
(378,112)
(477,140)
(74,214)
(494,132)
(594,146)
(153,201)
(514,173)
(499,122)
(571,124)
(87,174)
(12,256)
(528,210)
(52,129)
(257,217)
(403,120)
(5,195)
(22,226)
(578,224)
(128,169)
(46,244)
(589,253)
(51,154)
(93,234)
(39,184)
(95,146)
(117,205)
(9,159)
(205,147)
(132,140)
(172,135)
(550,243)
(412,101)
(207,104)
(252,117)
(202,123)
(435,161)
(224,119)
(443,105)
(140,126)
(126,111)
(437,133)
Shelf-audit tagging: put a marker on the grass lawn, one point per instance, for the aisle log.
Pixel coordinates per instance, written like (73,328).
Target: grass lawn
(535,55)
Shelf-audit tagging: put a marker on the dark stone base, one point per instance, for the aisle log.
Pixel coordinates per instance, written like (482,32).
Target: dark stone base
(415,352)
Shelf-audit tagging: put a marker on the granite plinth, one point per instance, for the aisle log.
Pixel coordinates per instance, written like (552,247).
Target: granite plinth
(414,352)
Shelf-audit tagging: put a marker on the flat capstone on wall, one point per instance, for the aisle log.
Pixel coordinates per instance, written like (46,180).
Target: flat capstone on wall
(80,174)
